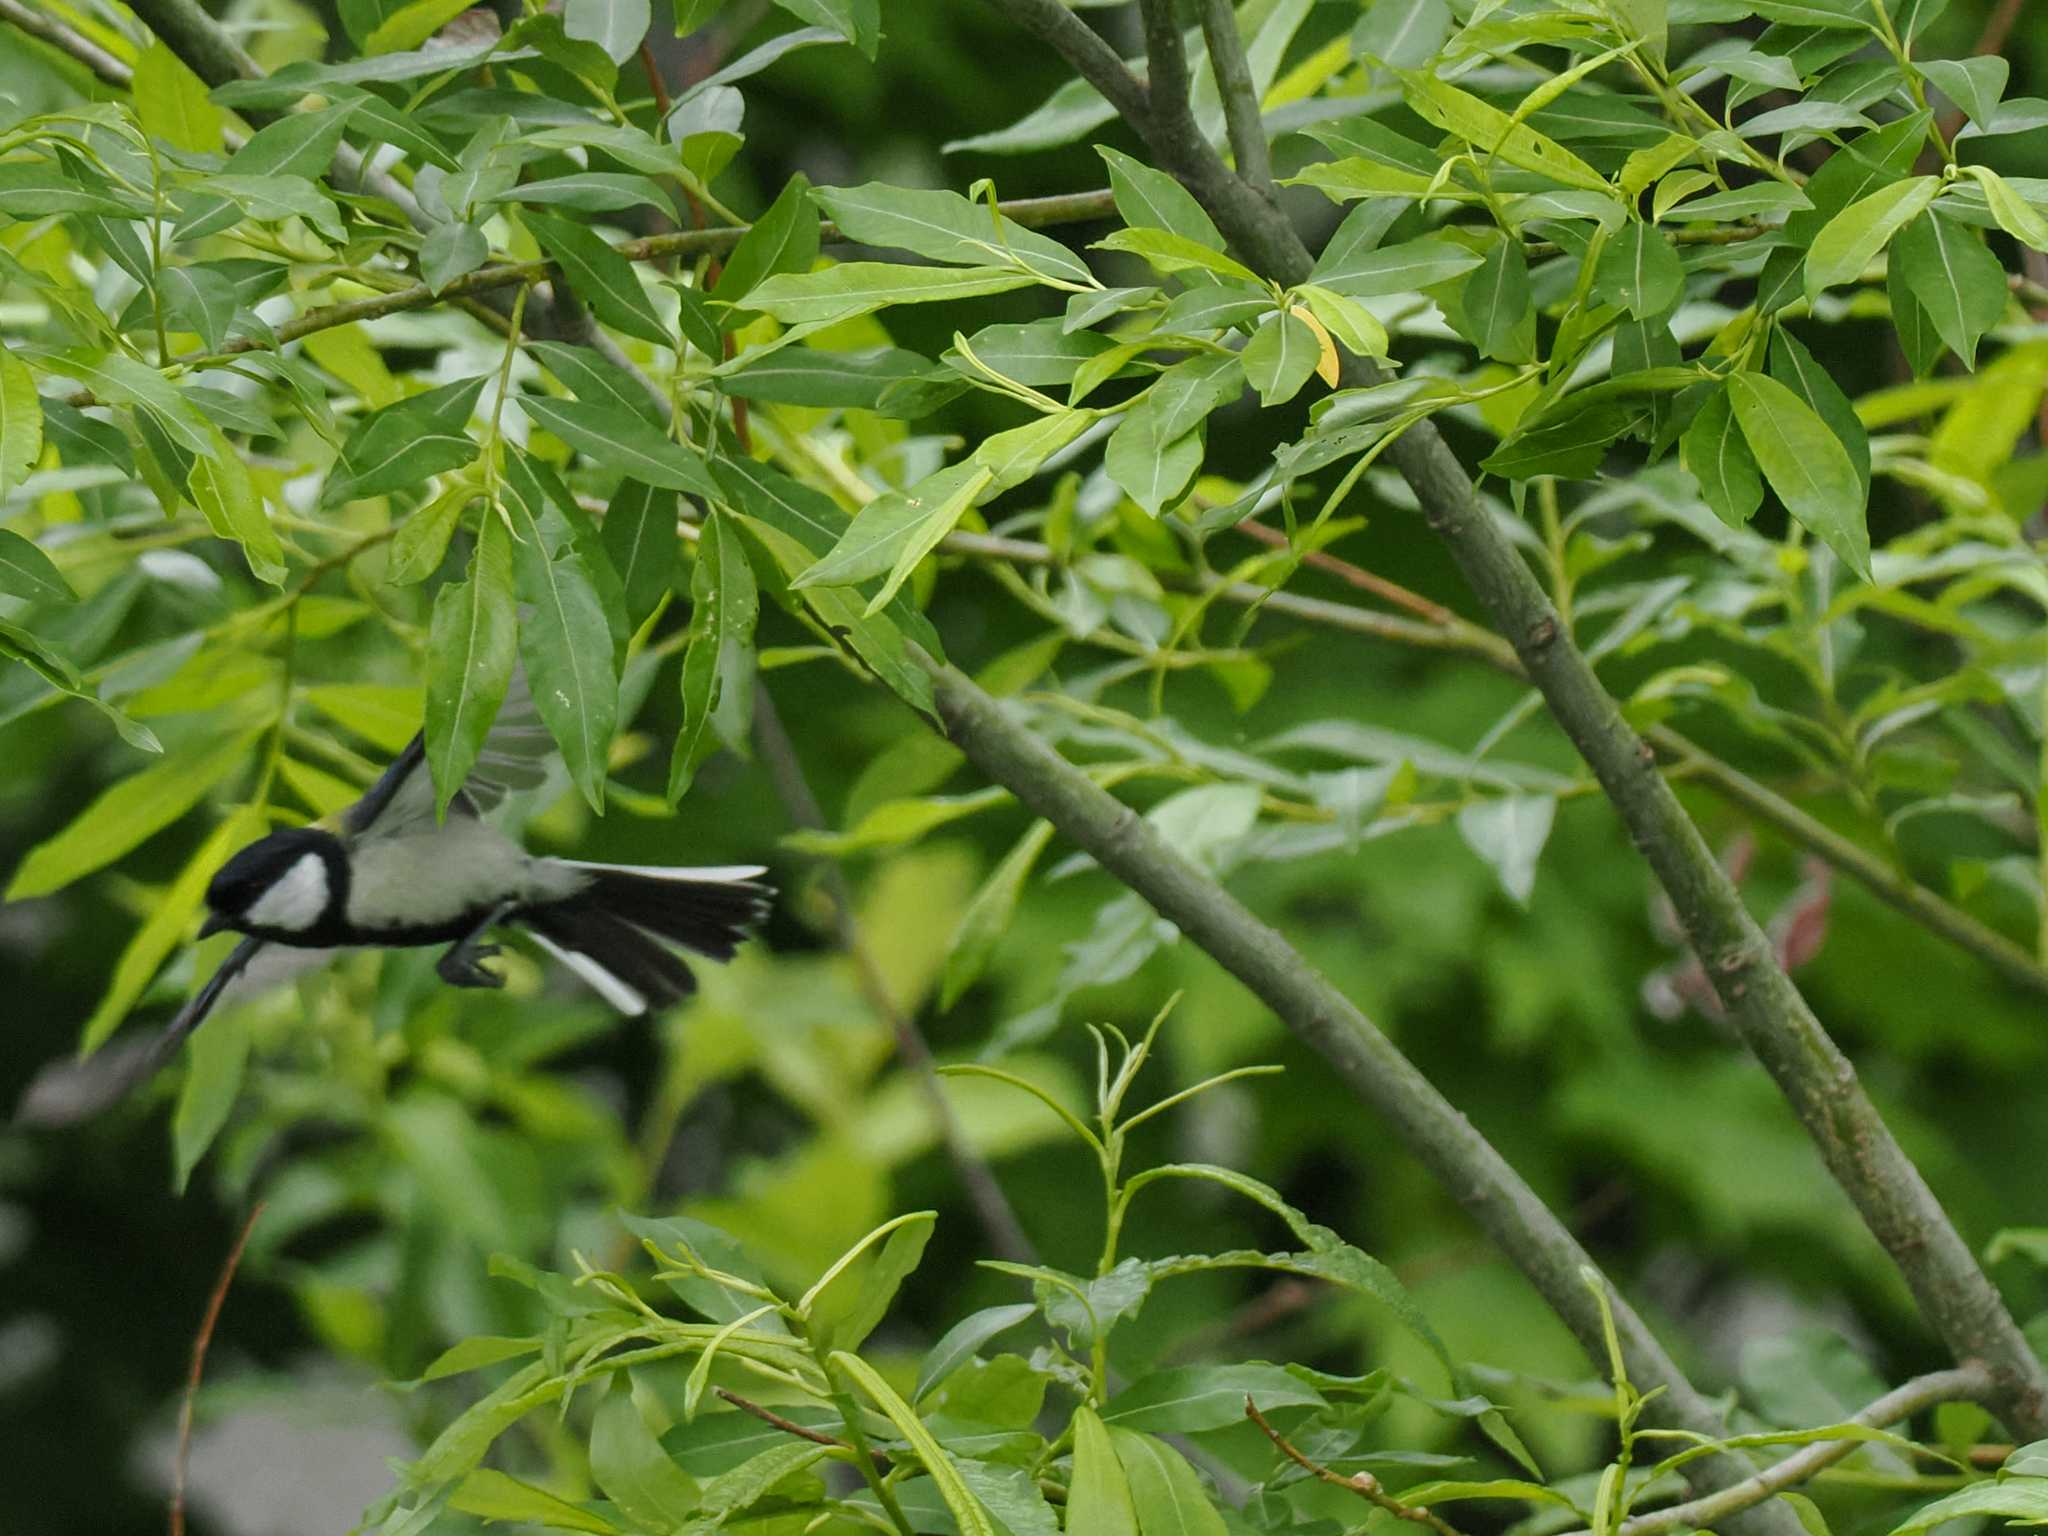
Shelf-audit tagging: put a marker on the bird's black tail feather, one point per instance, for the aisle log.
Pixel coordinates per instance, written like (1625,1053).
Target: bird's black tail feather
(614,932)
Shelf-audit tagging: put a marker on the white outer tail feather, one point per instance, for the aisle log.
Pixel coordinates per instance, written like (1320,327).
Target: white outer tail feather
(724,874)
(625,999)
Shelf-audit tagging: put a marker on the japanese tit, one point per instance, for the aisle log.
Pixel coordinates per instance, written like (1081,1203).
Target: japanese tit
(388,872)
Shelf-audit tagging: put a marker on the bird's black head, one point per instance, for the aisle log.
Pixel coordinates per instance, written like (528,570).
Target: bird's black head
(281,887)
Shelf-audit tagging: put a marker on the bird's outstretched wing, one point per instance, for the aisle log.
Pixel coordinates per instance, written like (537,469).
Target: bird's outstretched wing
(68,1091)
(514,757)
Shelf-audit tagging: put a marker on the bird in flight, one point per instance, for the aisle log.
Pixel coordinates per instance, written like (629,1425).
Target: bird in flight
(389,872)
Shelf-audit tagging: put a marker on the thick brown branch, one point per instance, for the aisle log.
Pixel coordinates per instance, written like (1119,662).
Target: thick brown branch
(1240,96)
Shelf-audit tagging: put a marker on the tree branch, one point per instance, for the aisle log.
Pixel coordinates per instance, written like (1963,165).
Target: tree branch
(1092,58)
(1970,1381)
(1240,96)
(999,1222)
(1369,1064)
(1768,1011)
(110,70)
(1364,1484)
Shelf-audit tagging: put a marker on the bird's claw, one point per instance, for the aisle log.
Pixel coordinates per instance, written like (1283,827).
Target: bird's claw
(461,966)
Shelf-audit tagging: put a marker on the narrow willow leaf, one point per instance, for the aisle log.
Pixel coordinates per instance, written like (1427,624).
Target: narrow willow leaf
(1166,1493)
(218,1055)
(119,380)
(1956,280)
(718,667)
(634,1472)
(1639,270)
(860,287)
(1099,1495)
(846,1310)
(600,276)
(1851,240)
(1918,339)
(171,102)
(1493,132)
(421,542)
(783,239)
(299,145)
(1170,253)
(1509,833)
(223,489)
(1155,471)
(1718,456)
(923,536)
(1408,267)
(2014,214)
(497,1496)
(1496,300)
(966,1509)
(450,251)
(1014,456)
(26,572)
(404,444)
(21,420)
(1975,84)
(1199,1397)
(125,815)
(619,440)
(1805,464)
(595,380)
(1182,397)
(590,192)
(871,543)
(639,533)
(959,1343)
(945,226)
(1402,34)
(1151,199)
(1347,321)
(1280,357)
(471,647)
(1793,366)
(566,639)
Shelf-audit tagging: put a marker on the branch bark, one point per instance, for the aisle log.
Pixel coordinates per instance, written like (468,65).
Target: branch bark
(1820,1083)
(1368,1063)
(1240,96)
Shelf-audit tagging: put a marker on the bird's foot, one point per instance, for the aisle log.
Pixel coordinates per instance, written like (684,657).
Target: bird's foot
(462,965)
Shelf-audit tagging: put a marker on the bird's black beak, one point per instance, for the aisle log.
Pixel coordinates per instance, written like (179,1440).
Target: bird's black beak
(216,922)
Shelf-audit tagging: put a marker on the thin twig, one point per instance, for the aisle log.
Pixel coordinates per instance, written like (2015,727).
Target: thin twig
(1240,96)
(816,1437)
(991,1206)
(200,1342)
(1353,575)
(1364,1484)
(1970,1382)
(110,70)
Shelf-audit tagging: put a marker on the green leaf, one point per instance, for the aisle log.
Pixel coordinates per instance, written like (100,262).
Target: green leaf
(639,533)
(1639,269)
(1955,279)
(616,26)
(1281,357)
(718,668)
(164,929)
(857,21)
(1718,456)
(944,226)
(1800,371)
(988,916)
(1918,339)
(847,1309)
(590,192)
(1975,84)
(450,251)
(1099,1495)
(494,1495)
(966,1509)
(471,646)
(223,489)
(959,1343)
(1014,456)
(873,542)
(171,102)
(1166,1493)
(861,287)
(21,421)
(421,543)
(1151,199)
(600,276)
(1151,470)
(1408,267)
(1805,464)
(2023,1499)
(1196,1397)
(26,572)
(199,300)
(119,380)
(937,519)
(1866,163)
(1170,253)
(1493,132)
(595,379)
(1496,300)
(52,667)
(1851,240)
(1182,397)
(2014,214)
(784,239)
(620,440)
(298,146)
(635,1473)
(566,639)
(125,815)
(1508,833)
(1402,34)
(812,376)
(402,445)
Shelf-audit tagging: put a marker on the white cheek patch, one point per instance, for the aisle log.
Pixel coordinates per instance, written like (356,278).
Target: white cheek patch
(296,902)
